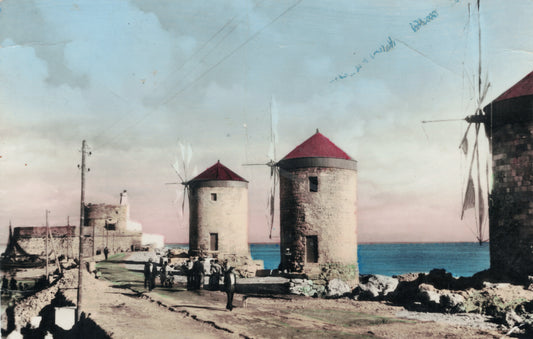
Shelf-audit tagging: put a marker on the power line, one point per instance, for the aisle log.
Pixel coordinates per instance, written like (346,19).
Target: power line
(227,56)
(234,51)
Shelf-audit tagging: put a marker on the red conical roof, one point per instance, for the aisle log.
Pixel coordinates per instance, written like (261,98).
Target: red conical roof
(522,88)
(317,146)
(218,172)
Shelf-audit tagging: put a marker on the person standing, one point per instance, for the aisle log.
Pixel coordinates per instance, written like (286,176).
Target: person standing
(198,273)
(10,314)
(214,279)
(5,284)
(229,286)
(106,252)
(188,270)
(153,275)
(163,274)
(147,273)
(13,283)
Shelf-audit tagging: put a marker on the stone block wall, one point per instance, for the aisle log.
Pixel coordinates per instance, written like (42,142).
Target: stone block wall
(330,214)
(227,216)
(33,240)
(101,214)
(115,242)
(511,201)
(107,224)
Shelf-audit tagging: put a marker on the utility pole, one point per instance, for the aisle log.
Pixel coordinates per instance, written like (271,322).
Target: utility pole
(46,244)
(82,222)
(69,239)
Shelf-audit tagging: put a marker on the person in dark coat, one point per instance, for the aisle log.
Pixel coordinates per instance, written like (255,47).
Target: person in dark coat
(187,267)
(106,252)
(214,278)
(147,273)
(5,283)
(13,284)
(153,275)
(229,286)
(198,274)
(10,313)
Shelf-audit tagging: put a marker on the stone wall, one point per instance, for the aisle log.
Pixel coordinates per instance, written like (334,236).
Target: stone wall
(227,216)
(33,240)
(103,214)
(115,242)
(108,225)
(511,201)
(330,214)
(65,240)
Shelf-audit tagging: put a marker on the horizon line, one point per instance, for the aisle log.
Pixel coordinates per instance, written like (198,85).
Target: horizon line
(359,243)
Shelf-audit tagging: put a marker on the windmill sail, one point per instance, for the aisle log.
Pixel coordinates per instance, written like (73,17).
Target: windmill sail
(474,194)
(182,168)
(470,197)
(274,171)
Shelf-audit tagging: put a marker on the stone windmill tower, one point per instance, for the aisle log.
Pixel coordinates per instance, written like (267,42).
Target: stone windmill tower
(218,213)
(509,124)
(318,211)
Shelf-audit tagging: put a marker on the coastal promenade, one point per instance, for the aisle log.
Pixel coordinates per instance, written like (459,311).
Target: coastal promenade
(120,307)
(126,310)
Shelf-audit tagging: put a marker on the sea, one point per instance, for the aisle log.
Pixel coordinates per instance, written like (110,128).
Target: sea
(462,259)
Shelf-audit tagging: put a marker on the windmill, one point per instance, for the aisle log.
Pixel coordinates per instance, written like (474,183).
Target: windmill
(474,195)
(182,168)
(272,163)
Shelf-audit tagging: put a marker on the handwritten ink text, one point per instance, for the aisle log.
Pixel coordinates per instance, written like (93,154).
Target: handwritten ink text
(418,23)
(390,44)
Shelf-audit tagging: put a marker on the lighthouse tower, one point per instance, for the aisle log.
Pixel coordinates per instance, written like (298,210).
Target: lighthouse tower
(218,218)
(318,211)
(509,123)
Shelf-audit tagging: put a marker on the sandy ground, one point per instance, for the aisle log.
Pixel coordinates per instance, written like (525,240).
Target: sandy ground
(124,309)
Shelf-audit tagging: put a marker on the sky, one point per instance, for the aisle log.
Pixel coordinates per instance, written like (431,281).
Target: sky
(141,81)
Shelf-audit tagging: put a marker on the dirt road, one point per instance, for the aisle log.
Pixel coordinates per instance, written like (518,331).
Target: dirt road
(125,309)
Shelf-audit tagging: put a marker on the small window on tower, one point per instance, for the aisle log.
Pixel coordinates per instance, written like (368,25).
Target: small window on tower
(213,196)
(313,184)
(111,226)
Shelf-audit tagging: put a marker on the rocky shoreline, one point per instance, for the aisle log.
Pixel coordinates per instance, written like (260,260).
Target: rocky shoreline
(505,306)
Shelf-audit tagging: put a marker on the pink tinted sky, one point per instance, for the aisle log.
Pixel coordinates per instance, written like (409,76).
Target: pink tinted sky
(136,79)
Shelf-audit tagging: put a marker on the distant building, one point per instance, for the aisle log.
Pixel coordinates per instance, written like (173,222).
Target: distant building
(218,218)
(110,226)
(509,123)
(318,211)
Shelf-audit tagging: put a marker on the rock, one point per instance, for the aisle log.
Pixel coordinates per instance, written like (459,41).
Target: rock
(15,335)
(452,302)
(511,318)
(441,279)
(337,288)
(427,294)
(376,287)
(306,288)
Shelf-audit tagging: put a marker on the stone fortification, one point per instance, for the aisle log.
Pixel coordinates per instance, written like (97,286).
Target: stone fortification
(107,224)
(33,240)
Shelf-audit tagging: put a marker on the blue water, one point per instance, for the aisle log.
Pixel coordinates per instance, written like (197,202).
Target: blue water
(461,259)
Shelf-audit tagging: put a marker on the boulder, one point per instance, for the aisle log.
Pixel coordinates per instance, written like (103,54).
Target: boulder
(511,319)
(376,287)
(452,302)
(337,288)
(428,294)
